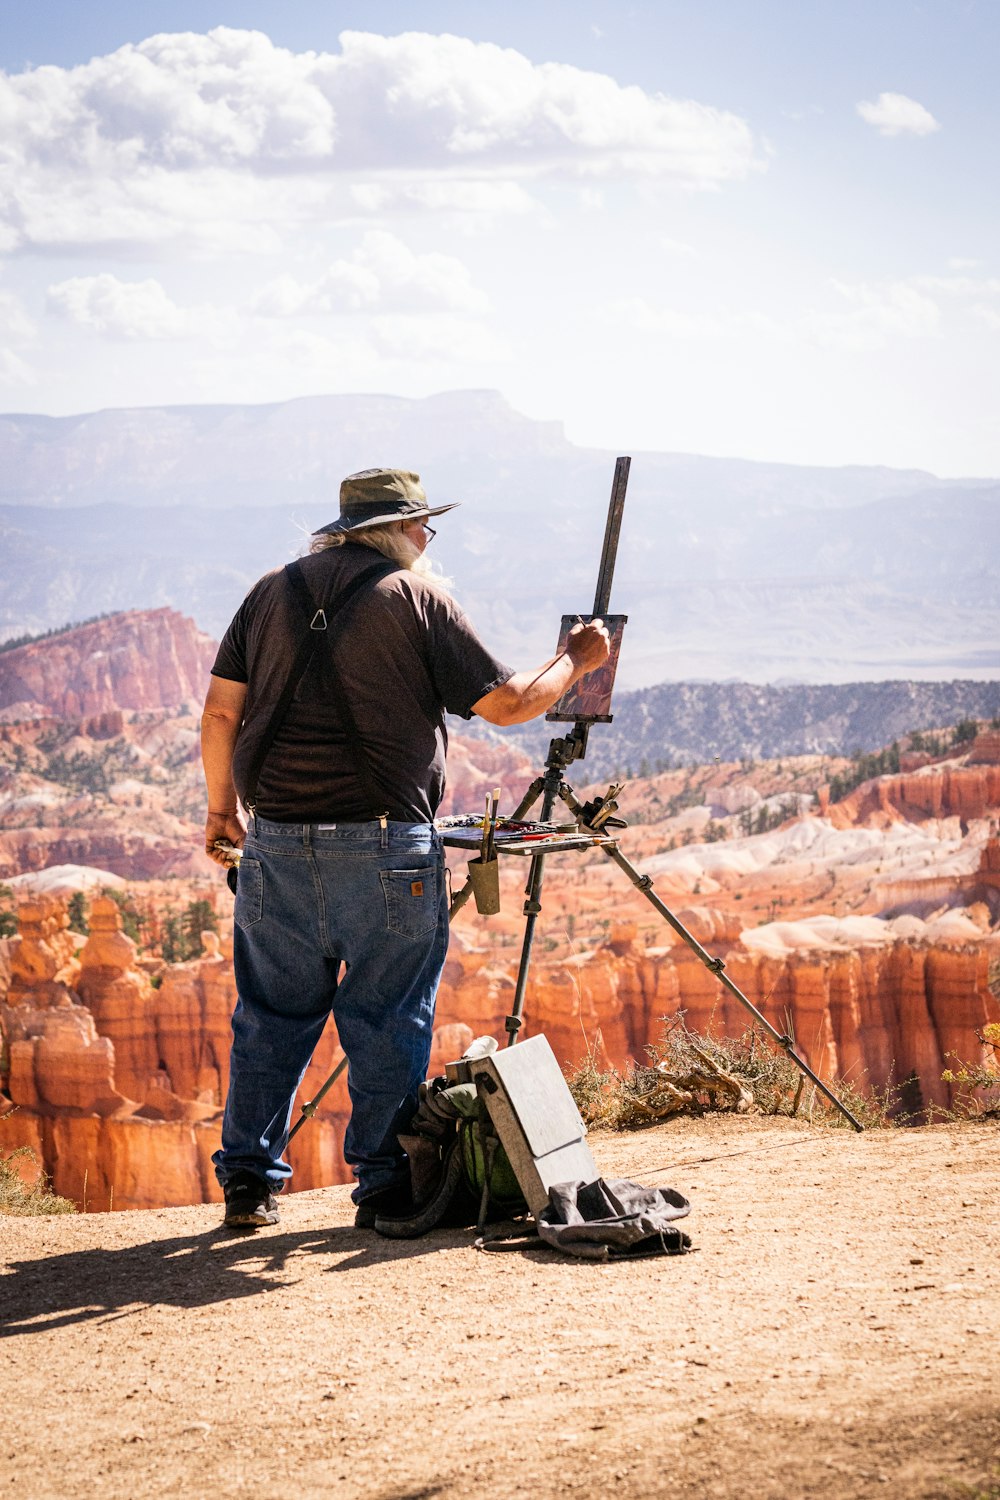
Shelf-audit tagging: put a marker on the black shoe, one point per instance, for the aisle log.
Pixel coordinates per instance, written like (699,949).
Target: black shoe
(249,1202)
(396,1202)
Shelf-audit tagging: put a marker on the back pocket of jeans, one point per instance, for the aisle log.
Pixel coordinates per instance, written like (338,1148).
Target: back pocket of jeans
(249,906)
(411,900)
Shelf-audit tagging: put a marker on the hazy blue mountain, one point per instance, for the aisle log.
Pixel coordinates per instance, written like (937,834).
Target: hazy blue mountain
(727,569)
(681,722)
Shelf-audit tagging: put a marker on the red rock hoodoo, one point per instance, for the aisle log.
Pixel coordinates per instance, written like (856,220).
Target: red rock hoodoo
(119,1084)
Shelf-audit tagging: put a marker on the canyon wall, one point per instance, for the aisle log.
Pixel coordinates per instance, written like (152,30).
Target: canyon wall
(955,790)
(118,1074)
(139,659)
(874,1015)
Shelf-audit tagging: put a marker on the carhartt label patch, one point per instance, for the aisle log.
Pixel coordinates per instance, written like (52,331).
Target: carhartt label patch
(416,887)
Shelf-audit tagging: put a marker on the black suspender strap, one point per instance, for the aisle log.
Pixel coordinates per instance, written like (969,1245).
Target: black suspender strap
(319,620)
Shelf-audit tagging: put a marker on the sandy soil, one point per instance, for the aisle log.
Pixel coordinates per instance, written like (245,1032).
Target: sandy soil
(837,1333)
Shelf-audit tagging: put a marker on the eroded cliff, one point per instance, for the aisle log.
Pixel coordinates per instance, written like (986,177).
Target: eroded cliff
(139,659)
(118,1083)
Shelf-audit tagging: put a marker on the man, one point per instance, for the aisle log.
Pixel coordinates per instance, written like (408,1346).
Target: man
(341,863)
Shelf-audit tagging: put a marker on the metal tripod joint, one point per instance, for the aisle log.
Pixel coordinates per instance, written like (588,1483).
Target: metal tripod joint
(570,798)
(594,816)
(606,805)
(512,1025)
(717,965)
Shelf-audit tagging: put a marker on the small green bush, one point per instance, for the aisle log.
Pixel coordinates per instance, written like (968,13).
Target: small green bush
(8,912)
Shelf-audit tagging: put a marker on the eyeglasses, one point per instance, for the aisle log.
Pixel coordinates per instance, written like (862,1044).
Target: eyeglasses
(429,531)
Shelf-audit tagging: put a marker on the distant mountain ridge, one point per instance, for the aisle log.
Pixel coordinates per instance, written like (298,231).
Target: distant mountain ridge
(299,450)
(727,568)
(696,721)
(158,660)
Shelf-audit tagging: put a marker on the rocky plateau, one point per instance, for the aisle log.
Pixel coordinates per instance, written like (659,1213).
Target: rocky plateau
(865,923)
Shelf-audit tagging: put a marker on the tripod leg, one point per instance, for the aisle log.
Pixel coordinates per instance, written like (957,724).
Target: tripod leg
(644,883)
(529,799)
(308,1109)
(550,785)
(532,907)
(459,899)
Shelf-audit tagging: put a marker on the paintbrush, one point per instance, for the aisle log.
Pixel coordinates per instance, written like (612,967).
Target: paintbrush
(485,844)
(491,850)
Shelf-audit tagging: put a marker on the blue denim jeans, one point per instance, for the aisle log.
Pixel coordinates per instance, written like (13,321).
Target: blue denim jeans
(310,898)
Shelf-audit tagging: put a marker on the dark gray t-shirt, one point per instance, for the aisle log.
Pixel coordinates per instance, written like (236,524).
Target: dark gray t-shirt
(404,651)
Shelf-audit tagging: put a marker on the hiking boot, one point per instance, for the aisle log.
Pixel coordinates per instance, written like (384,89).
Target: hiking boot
(394,1202)
(250,1204)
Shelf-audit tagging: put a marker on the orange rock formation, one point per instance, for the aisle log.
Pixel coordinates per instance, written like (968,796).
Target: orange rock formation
(119,1084)
(145,659)
(963,791)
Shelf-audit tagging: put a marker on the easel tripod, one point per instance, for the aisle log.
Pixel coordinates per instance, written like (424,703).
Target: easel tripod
(596,818)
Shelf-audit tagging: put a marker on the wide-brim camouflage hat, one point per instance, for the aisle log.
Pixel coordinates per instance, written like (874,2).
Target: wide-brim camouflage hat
(377,497)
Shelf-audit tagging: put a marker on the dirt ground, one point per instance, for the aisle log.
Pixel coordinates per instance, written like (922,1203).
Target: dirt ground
(836,1333)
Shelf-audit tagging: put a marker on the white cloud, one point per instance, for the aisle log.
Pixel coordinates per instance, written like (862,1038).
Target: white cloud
(286,358)
(959,286)
(649,318)
(383,274)
(15,323)
(184,134)
(125,309)
(987,315)
(16,328)
(14,371)
(444,100)
(445,340)
(873,316)
(389,305)
(867,318)
(212,212)
(669,322)
(480,201)
(895,114)
(675,247)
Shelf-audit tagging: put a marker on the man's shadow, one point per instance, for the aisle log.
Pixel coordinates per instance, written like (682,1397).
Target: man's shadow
(194,1270)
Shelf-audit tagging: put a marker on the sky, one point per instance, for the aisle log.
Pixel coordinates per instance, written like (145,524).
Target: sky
(764,230)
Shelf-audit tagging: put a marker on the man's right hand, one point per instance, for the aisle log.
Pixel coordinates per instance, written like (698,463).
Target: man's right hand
(588,646)
(526,695)
(223,828)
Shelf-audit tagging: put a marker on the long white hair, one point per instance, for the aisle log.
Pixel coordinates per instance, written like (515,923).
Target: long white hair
(391,540)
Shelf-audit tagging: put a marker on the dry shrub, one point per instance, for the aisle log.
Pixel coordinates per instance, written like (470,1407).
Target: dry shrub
(979,1095)
(697,1075)
(18,1198)
(874,1109)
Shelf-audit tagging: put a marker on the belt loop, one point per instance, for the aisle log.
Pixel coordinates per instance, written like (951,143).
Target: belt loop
(383,824)
(307,835)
